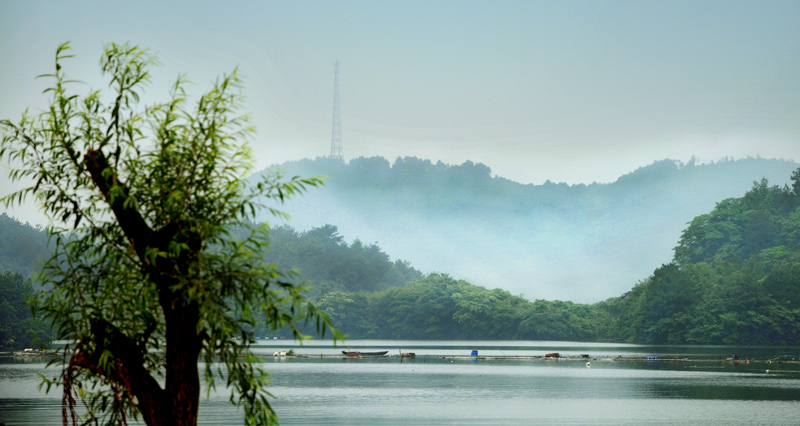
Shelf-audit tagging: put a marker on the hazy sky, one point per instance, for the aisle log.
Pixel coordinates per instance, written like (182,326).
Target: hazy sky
(572,91)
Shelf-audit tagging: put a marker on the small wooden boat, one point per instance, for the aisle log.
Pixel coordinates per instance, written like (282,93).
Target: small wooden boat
(357,354)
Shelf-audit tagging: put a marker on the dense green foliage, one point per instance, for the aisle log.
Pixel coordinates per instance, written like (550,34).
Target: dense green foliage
(23,248)
(463,220)
(18,328)
(320,256)
(23,251)
(330,264)
(441,307)
(735,278)
(146,278)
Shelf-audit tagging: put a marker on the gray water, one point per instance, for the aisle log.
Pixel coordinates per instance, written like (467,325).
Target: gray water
(435,389)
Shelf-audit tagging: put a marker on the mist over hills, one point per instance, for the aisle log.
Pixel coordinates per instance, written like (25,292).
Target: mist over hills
(582,243)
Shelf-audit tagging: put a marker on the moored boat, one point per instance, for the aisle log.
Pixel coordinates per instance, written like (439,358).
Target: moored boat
(358,354)
(31,353)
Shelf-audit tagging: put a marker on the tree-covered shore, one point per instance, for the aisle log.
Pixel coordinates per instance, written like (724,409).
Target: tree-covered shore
(734,279)
(320,256)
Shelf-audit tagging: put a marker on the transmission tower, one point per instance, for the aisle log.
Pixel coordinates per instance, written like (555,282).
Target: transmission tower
(336,135)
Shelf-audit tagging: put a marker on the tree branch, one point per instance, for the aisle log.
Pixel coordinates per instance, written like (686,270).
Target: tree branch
(129,370)
(129,219)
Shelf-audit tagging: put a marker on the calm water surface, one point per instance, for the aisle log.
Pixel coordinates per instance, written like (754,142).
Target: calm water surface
(432,390)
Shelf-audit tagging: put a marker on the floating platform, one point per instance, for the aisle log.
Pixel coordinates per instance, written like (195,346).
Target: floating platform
(581,358)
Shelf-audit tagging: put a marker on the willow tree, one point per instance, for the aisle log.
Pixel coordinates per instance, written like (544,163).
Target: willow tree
(146,279)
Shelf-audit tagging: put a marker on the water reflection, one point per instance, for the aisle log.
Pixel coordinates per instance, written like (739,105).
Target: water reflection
(434,388)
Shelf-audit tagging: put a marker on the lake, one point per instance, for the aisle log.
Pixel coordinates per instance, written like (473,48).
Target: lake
(444,386)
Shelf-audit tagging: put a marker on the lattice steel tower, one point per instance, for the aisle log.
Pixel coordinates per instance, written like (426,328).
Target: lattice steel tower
(336,134)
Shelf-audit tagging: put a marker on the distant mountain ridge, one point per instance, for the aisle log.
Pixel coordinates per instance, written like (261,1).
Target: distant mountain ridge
(552,241)
(23,248)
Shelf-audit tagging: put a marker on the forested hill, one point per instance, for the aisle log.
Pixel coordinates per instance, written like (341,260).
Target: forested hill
(23,247)
(734,279)
(320,255)
(329,263)
(551,241)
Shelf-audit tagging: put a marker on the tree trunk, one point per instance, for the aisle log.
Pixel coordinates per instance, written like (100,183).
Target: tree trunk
(182,388)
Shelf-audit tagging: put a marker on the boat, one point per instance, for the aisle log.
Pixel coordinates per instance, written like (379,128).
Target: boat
(31,353)
(358,354)
(553,355)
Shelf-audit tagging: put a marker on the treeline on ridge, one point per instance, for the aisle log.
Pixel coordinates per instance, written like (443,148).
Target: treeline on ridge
(735,279)
(452,218)
(23,247)
(320,256)
(440,307)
